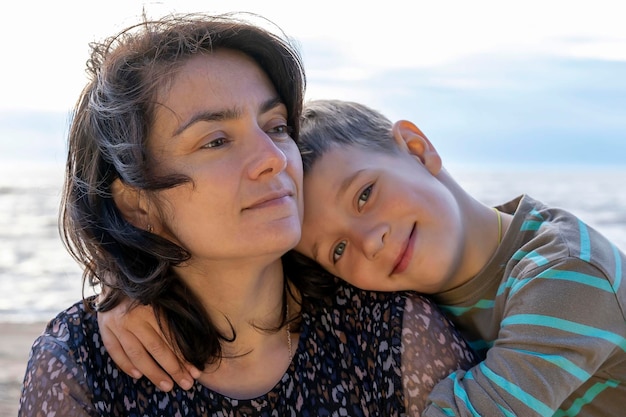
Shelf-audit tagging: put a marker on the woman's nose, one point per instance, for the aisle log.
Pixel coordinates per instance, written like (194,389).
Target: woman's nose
(269,158)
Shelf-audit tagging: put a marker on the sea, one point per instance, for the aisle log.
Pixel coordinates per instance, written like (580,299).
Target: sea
(38,278)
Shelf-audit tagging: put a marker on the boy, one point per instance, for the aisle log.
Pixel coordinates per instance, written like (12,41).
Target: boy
(539,294)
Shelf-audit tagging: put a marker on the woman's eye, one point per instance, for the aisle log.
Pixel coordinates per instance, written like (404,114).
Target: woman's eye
(216,143)
(364,196)
(338,251)
(280,132)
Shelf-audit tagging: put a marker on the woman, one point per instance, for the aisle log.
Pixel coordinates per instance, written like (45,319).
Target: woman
(183,192)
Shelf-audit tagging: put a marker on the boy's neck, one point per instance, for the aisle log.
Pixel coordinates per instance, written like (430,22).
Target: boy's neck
(485,230)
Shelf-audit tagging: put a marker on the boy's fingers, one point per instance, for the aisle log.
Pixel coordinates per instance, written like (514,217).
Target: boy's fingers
(152,358)
(117,353)
(162,354)
(136,350)
(137,345)
(163,364)
(193,371)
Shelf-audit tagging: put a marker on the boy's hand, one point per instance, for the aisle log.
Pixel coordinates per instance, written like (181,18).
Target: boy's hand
(138,347)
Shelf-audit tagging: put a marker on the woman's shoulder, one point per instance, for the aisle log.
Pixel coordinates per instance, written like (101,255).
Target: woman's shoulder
(368,305)
(352,311)
(64,355)
(73,333)
(71,323)
(357,301)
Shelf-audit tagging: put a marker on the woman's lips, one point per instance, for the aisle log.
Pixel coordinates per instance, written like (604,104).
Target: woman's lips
(404,259)
(270,200)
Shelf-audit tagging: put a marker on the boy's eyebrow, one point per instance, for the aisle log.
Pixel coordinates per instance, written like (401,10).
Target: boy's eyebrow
(343,186)
(210,116)
(314,251)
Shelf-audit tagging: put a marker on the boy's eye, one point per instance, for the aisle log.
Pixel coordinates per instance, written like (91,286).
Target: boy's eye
(338,251)
(364,196)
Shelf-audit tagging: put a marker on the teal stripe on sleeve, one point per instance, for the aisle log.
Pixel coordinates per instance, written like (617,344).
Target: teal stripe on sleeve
(534,212)
(512,283)
(618,267)
(530,401)
(589,396)
(585,243)
(480,345)
(507,283)
(531,225)
(506,413)
(455,311)
(561,362)
(565,325)
(538,259)
(459,392)
(518,285)
(483,304)
(446,411)
(578,277)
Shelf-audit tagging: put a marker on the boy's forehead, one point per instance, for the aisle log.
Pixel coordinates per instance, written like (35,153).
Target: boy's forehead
(345,160)
(334,165)
(340,157)
(326,186)
(333,176)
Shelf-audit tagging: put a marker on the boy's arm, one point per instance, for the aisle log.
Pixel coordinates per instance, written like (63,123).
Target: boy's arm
(137,345)
(557,329)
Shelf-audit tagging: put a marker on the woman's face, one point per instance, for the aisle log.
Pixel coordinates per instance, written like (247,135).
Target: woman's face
(221,123)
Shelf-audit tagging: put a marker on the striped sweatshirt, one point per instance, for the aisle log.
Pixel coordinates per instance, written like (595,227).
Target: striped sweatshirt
(547,316)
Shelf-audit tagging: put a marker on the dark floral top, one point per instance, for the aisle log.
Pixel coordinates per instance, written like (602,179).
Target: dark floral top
(362,354)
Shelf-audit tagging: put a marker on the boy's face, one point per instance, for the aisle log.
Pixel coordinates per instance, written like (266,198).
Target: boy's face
(380,221)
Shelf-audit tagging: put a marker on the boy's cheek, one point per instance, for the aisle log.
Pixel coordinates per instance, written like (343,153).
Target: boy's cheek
(353,279)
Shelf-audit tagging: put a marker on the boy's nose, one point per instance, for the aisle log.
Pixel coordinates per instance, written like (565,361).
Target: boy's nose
(372,240)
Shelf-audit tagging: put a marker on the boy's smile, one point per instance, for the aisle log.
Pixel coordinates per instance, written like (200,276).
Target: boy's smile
(380,221)
(406,255)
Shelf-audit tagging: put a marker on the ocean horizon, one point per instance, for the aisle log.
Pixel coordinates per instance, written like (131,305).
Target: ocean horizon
(38,278)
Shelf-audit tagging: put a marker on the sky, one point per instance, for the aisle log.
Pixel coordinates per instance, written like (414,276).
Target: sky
(489,82)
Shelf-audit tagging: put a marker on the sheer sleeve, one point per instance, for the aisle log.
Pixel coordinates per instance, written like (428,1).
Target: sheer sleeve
(54,384)
(431,350)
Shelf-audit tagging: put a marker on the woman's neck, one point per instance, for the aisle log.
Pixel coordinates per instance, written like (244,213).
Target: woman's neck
(252,306)
(238,296)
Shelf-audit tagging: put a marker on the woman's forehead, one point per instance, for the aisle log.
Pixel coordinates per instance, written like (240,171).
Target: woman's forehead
(218,86)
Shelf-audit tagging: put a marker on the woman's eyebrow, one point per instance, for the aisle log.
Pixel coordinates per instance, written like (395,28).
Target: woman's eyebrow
(223,114)
(207,116)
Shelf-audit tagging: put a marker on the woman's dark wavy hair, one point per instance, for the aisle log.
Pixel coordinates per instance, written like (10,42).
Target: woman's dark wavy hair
(107,140)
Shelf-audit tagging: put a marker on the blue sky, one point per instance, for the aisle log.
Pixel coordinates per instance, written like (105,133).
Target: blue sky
(489,83)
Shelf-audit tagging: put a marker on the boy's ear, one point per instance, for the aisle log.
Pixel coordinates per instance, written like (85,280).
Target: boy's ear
(131,204)
(411,139)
